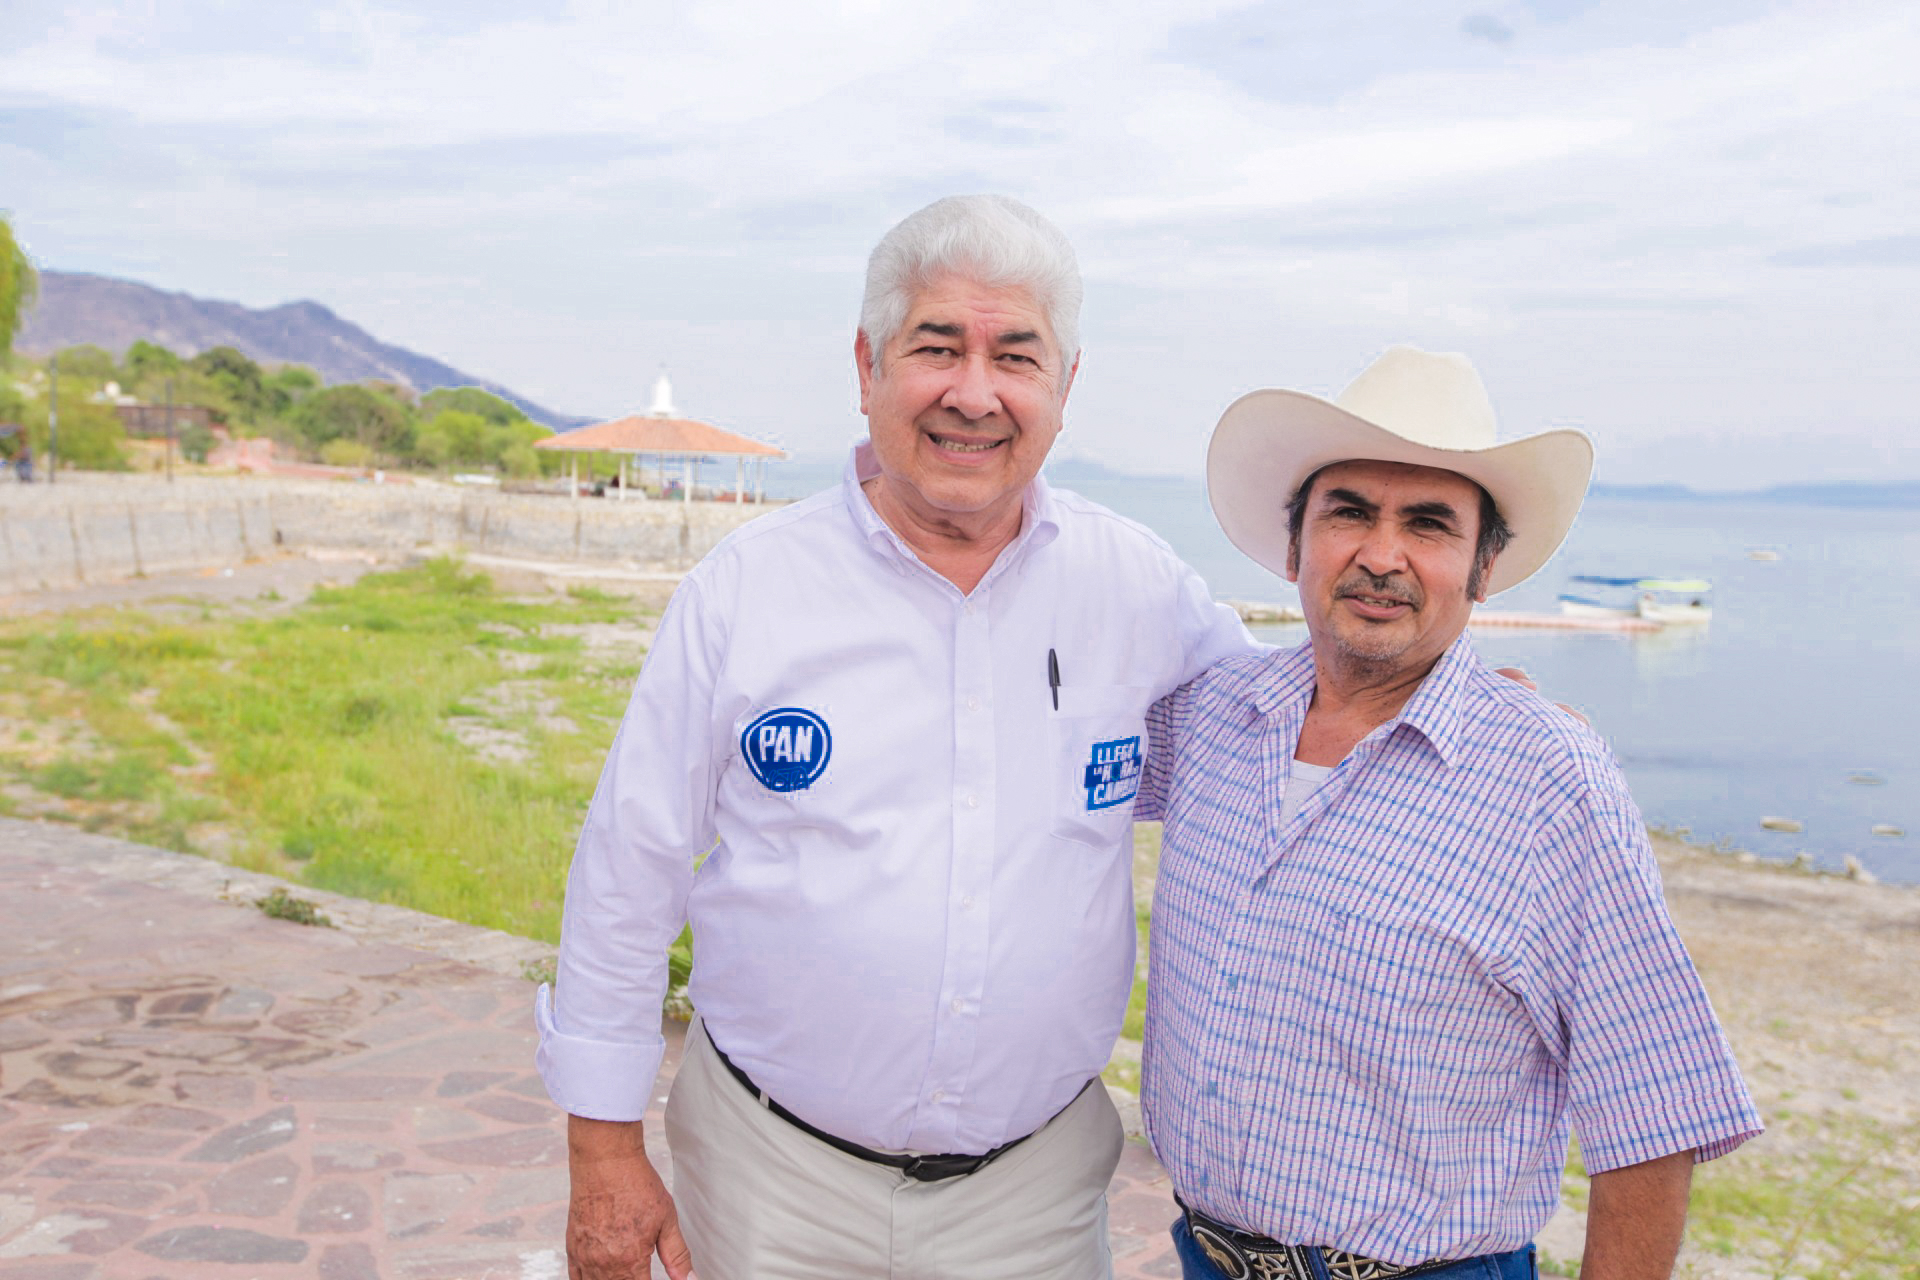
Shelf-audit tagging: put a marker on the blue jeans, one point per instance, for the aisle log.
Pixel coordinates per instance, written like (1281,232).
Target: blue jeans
(1518,1265)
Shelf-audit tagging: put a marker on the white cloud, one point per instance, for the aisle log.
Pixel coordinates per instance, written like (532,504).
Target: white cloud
(1617,190)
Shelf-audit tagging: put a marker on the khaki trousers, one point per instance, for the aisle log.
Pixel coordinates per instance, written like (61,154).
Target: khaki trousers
(760,1200)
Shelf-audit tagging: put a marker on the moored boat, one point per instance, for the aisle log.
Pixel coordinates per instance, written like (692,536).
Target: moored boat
(1582,607)
(1670,613)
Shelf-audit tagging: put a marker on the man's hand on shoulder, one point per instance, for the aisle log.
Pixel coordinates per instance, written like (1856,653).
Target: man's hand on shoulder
(1519,676)
(619,1213)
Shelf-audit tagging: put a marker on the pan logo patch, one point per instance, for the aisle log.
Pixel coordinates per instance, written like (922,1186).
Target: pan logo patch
(787,748)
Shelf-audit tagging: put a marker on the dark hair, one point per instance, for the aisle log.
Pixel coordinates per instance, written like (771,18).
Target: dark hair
(1493,537)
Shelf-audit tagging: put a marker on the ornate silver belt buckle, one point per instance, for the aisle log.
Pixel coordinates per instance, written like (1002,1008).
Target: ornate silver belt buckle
(1240,1263)
(1342,1265)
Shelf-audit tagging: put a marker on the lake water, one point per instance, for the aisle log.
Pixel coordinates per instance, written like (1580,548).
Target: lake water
(1804,680)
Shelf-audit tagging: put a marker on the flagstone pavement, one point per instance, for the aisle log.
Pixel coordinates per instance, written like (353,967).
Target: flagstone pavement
(191,1089)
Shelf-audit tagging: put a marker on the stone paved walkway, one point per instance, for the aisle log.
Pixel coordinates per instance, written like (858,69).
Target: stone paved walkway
(191,1089)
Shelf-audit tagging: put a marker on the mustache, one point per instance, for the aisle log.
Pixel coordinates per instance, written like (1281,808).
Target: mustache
(1365,584)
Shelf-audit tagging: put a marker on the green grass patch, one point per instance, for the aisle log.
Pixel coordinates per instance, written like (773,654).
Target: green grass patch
(281,905)
(1824,1197)
(325,737)
(67,778)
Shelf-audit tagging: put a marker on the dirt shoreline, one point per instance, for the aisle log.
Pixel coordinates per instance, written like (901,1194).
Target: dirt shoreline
(1814,978)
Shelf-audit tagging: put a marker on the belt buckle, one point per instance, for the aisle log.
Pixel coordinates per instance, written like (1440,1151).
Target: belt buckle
(1241,1263)
(1342,1265)
(940,1168)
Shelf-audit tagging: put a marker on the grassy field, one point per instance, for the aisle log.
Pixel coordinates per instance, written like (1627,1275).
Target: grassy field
(422,738)
(414,738)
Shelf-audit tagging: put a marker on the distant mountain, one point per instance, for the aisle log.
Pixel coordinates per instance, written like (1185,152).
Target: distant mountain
(75,307)
(1086,474)
(1799,495)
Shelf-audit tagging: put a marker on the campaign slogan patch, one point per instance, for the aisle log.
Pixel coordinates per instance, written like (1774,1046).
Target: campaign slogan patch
(787,748)
(1113,773)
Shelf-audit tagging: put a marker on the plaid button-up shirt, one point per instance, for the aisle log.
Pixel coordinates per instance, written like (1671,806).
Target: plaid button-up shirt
(1371,1029)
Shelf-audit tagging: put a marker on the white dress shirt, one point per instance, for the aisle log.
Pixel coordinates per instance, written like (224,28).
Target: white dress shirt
(916,928)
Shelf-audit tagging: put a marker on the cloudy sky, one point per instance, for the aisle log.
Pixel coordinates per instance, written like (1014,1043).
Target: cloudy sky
(1689,229)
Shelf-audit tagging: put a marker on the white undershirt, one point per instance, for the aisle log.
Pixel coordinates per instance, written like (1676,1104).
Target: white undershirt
(1302,781)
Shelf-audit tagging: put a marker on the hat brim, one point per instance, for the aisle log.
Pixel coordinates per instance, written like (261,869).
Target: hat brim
(1268,442)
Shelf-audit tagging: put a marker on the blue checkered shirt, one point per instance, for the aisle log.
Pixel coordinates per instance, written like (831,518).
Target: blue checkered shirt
(1372,1028)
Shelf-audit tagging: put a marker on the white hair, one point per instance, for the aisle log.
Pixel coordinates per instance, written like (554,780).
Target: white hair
(992,240)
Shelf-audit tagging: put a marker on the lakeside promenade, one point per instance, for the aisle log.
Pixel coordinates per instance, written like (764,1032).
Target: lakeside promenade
(191,1088)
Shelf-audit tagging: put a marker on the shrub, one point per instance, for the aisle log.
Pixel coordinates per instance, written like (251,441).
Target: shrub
(196,442)
(345,453)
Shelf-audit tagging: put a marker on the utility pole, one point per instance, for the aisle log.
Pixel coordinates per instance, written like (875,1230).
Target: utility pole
(169,430)
(53,420)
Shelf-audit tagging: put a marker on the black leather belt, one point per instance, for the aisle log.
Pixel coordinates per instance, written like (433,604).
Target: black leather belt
(919,1168)
(1245,1255)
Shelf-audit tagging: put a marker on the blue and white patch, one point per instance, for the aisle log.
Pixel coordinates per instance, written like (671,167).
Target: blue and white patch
(787,748)
(1113,772)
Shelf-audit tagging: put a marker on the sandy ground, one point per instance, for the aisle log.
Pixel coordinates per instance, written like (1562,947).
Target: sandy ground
(1814,979)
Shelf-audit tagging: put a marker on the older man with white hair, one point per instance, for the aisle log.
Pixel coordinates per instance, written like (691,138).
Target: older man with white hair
(903,723)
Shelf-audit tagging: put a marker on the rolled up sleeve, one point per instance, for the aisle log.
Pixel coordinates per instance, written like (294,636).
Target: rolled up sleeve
(650,819)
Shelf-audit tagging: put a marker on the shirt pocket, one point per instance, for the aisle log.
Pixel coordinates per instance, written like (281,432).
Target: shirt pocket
(1413,1009)
(1097,750)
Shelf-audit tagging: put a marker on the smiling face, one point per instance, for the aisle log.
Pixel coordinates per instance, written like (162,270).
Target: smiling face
(1383,562)
(963,403)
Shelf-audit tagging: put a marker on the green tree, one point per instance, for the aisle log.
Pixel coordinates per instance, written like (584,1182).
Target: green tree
(354,412)
(88,362)
(91,436)
(238,378)
(290,384)
(146,360)
(19,285)
(454,438)
(483,404)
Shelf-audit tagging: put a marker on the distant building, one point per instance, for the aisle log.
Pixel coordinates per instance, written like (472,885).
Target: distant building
(151,419)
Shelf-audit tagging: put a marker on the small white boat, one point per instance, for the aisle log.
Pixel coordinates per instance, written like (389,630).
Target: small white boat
(1667,601)
(1667,613)
(1582,607)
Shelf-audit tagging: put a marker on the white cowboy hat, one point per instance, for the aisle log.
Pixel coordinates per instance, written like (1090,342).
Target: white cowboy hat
(1408,406)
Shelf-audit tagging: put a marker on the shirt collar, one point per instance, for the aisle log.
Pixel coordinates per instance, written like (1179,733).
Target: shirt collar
(1039,516)
(1436,710)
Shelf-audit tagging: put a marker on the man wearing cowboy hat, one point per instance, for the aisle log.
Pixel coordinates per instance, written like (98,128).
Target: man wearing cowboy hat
(1408,929)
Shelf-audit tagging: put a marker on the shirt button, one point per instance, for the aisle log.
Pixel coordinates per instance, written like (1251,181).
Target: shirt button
(973,703)
(973,802)
(939,1095)
(959,1005)
(966,903)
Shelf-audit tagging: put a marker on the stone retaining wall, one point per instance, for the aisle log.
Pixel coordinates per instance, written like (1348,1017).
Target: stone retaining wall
(103,529)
